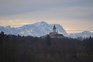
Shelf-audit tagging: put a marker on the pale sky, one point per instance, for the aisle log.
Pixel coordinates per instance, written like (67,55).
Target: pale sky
(73,15)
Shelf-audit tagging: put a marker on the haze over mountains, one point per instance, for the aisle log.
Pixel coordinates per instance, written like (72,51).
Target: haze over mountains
(40,29)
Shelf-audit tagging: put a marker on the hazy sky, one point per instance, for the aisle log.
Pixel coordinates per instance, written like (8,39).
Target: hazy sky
(73,15)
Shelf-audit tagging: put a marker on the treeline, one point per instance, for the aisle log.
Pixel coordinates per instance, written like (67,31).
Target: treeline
(34,49)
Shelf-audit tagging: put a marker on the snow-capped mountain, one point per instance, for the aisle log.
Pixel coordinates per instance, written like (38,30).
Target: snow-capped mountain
(40,29)
(84,34)
(36,29)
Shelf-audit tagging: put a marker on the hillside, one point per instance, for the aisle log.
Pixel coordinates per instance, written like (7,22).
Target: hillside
(33,49)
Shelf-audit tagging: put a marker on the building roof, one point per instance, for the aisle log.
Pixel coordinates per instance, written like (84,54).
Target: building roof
(53,33)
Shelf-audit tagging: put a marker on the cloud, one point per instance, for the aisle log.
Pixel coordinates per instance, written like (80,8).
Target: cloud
(12,7)
(56,13)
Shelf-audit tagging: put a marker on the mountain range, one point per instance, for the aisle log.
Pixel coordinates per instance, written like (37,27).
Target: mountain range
(84,34)
(40,29)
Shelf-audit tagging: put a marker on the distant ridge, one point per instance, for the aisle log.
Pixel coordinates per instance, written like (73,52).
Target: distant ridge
(42,28)
(37,29)
(84,34)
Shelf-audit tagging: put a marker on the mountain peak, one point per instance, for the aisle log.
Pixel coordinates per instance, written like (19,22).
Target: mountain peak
(37,29)
(86,32)
(41,22)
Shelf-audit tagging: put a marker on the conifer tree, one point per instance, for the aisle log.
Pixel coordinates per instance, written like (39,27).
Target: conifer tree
(48,40)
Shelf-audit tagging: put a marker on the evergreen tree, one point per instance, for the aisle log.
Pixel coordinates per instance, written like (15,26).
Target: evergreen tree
(1,37)
(48,40)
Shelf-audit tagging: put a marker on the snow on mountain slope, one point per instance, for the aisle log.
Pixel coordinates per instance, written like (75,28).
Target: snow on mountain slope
(84,34)
(8,30)
(41,29)
(36,29)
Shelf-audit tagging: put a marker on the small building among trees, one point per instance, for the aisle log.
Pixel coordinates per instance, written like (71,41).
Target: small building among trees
(55,34)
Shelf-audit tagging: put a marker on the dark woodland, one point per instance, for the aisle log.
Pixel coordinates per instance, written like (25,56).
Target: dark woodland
(33,49)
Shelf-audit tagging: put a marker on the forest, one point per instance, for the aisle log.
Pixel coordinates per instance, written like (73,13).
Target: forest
(36,49)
